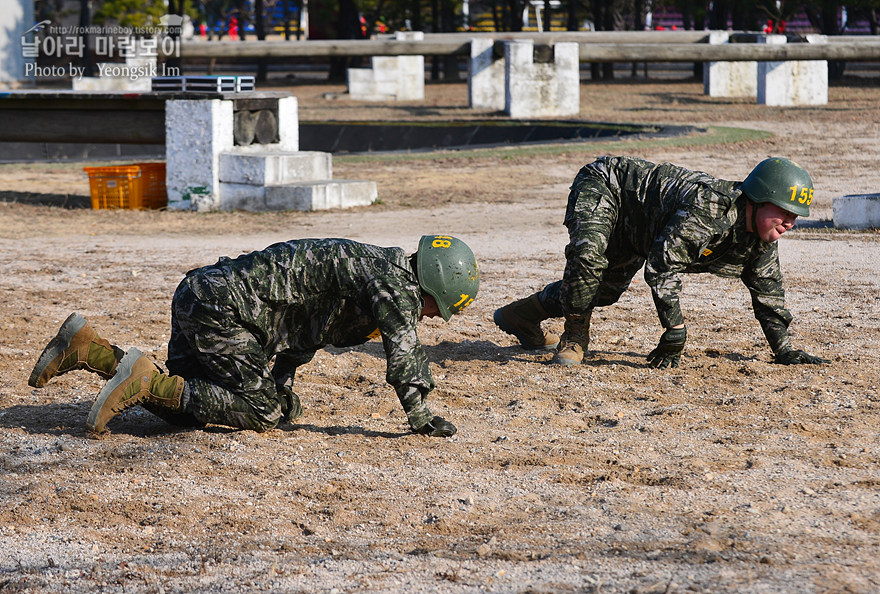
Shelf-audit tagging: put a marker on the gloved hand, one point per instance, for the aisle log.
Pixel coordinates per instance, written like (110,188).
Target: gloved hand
(795,357)
(668,351)
(437,427)
(291,408)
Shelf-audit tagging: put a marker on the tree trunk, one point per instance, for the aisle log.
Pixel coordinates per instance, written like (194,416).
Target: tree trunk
(825,20)
(447,22)
(516,14)
(84,21)
(571,23)
(417,22)
(718,15)
(348,26)
(260,27)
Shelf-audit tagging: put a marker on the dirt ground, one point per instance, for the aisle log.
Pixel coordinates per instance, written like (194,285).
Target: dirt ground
(728,474)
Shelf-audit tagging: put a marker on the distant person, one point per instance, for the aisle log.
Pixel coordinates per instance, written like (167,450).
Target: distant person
(625,213)
(240,328)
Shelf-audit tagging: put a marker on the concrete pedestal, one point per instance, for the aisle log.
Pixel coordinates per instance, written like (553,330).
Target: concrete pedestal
(729,79)
(527,81)
(802,82)
(485,76)
(534,88)
(390,78)
(789,83)
(206,170)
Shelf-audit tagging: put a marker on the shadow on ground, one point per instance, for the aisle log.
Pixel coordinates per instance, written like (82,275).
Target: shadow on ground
(69,201)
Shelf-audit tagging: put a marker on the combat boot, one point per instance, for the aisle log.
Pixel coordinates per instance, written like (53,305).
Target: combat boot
(137,381)
(523,319)
(76,346)
(575,341)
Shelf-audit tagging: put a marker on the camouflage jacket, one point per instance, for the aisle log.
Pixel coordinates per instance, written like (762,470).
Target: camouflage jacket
(683,221)
(298,296)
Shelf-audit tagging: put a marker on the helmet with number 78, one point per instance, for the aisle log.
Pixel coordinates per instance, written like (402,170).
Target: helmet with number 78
(781,182)
(448,272)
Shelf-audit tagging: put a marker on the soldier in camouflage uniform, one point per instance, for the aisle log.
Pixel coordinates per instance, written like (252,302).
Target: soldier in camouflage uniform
(625,213)
(241,327)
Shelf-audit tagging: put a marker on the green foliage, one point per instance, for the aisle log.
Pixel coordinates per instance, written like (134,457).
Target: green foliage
(131,13)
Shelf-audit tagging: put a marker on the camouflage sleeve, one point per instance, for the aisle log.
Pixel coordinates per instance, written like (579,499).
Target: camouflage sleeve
(398,313)
(763,277)
(679,244)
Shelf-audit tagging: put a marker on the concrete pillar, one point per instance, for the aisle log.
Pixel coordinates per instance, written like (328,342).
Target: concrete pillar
(857,211)
(795,82)
(729,79)
(288,124)
(16,17)
(390,78)
(534,89)
(485,76)
(196,132)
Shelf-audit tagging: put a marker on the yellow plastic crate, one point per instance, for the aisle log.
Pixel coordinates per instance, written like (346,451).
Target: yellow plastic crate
(136,186)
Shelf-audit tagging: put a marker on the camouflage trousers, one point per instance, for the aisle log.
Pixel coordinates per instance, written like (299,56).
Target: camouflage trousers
(599,263)
(228,376)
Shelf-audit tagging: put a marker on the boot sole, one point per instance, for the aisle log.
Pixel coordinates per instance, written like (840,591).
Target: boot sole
(499,320)
(565,362)
(123,372)
(73,324)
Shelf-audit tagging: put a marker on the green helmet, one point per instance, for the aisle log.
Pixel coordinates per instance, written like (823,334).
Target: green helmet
(781,182)
(448,272)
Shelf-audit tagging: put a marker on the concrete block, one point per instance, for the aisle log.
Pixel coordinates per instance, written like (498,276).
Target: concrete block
(241,197)
(321,195)
(197,132)
(485,76)
(258,167)
(390,78)
(362,86)
(541,90)
(801,82)
(412,80)
(729,79)
(857,211)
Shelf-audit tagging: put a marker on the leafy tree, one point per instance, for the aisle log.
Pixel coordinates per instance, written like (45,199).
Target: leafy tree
(131,13)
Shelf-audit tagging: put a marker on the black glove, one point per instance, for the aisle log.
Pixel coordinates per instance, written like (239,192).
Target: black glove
(669,349)
(437,427)
(795,357)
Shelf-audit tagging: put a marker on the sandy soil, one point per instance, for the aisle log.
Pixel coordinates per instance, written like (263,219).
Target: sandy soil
(728,474)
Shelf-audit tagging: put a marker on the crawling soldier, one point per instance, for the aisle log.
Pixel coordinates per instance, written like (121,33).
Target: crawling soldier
(625,213)
(241,327)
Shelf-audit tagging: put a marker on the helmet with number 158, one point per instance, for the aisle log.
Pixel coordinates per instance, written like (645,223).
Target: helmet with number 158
(781,182)
(448,272)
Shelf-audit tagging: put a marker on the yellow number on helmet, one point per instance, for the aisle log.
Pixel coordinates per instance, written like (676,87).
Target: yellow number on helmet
(441,243)
(805,195)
